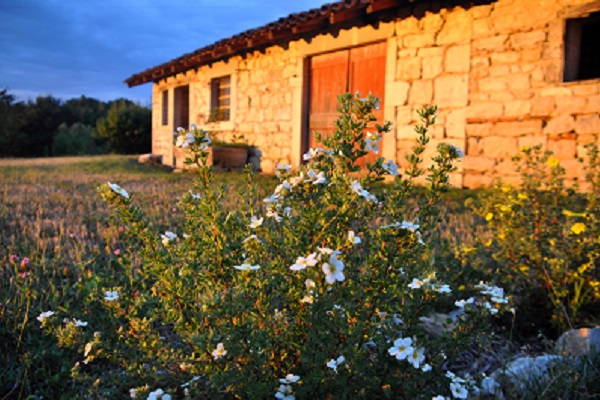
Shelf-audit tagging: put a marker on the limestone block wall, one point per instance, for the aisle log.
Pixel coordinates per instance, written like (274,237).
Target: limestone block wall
(432,67)
(495,71)
(261,105)
(517,96)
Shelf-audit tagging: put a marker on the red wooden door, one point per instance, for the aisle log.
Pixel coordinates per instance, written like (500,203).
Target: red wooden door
(359,69)
(367,75)
(328,79)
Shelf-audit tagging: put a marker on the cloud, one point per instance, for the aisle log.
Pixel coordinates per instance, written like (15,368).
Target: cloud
(73,48)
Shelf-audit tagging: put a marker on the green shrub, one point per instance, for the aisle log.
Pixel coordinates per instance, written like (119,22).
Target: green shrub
(544,245)
(76,140)
(127,128)
(319,294)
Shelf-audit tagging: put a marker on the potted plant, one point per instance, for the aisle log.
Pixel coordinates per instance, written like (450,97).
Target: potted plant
(230,156)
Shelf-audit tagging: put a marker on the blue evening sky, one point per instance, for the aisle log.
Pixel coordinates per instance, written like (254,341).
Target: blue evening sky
(69,48)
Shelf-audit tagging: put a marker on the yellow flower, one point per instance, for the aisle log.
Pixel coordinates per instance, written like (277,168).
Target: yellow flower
(489,216)
(522,196)
(504,208)
(524,149)
(506,189)
(578,228)
(553,162)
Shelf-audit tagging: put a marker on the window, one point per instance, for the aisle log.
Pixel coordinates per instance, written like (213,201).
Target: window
(165,107)
(220,93)
(181,114)
(582,48)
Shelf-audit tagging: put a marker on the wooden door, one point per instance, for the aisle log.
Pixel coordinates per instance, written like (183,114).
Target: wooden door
(328,79)
(367,75)
(358,69)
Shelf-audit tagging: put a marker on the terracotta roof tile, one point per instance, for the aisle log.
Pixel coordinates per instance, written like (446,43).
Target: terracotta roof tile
(306,24)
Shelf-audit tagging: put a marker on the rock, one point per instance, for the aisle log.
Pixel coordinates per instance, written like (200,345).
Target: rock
(577,342)
(519,374)
(254,155)
(152,159)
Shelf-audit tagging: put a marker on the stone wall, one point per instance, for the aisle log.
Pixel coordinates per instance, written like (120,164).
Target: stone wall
(495,71)
(517,96)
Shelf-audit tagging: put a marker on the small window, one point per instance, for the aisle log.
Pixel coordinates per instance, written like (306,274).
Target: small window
(582,48)
(181,114)
(165,107)
(220,92)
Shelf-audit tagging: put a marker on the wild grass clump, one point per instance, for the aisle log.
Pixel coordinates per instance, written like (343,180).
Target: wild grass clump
(544,244)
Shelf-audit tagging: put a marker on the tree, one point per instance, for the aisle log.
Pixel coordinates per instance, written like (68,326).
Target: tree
(127,127)
(13,142)
(42,119)
(75,140)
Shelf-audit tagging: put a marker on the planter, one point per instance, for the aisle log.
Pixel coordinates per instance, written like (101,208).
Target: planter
(229,158)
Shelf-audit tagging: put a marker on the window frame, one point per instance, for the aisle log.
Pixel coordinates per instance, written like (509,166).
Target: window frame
(220,99)
(576,68)
(165,107)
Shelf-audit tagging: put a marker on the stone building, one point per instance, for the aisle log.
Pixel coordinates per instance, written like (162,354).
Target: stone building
(504,73)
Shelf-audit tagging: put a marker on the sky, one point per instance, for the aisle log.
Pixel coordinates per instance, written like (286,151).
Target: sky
(70,48)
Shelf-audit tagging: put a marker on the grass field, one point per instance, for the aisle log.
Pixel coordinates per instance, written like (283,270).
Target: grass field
(52,214)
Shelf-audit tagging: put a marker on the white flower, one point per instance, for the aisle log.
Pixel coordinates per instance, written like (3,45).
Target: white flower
(439,397)
(285,393)
(195,195)
(458,390)
(409,225)
(358,189)
(352,238)
(157,394)
(287,211)
(111,295)
(372,142)
(310,284)
(426,368)
(219,351)
(284,167)
(118,190)
(459,151)
(333,270)
(255,222)
(328,251)
(308,299)
(132,393)
(302,262)
(168,237)
(190,137)
(44,315)
(443,289)
(417,357)
(315,177)
(417,283)
(166,397)
(463,303)
(290,378)
(333,364)
(390,167)
(311,153)
(402,348)
(79,322)
(275,215)
(252,237)
(247,267)
(87,349)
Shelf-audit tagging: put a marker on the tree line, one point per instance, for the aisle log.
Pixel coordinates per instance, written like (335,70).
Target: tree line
(48,126)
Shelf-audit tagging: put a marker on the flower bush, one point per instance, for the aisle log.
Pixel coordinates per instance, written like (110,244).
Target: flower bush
(321,293)
(544,245)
